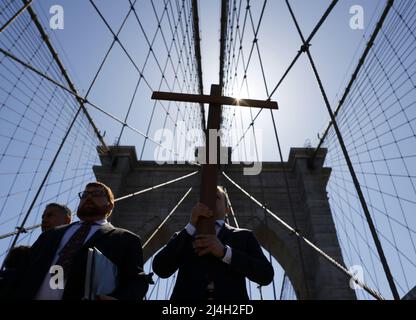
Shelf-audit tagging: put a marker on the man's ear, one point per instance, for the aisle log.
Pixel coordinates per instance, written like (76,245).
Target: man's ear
(110,206)
(227,210)
(67,219)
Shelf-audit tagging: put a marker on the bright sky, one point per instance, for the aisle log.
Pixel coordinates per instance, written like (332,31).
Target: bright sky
(302,115)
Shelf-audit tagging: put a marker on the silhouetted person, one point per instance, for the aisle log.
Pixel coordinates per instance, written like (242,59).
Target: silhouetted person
(54,215)
(213,267)
(15,261)
(67,247)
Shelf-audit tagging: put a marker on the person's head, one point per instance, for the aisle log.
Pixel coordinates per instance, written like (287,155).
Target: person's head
(17,257)
(55,215)
(97,202)
(222,207)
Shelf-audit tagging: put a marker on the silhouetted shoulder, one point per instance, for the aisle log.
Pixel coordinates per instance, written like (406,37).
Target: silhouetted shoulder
(56,231)
(242,230)
(125,233)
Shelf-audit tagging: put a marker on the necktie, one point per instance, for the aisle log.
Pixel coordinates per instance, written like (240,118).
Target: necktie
(66,256)
(211,287)
(218,227)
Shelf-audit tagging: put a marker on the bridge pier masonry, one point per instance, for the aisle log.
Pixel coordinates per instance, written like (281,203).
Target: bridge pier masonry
(307,208)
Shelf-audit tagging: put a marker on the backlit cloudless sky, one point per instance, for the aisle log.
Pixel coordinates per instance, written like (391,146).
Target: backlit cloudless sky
(336,49)
(302,115)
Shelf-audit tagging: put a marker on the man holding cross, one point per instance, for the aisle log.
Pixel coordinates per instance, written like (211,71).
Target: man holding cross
(213,258)
(213,266)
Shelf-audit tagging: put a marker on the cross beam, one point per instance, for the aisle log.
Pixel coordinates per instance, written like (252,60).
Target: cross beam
(209,173)
(214,100)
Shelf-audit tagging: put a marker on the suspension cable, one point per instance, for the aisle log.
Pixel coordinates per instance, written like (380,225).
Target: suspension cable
(197,49)
(256,43)
(293,231)
(155,187)
(269,249)
(11,56)
(231,209)
(167,218)
(18,13)
(363,58)
(115,200)
(292,64)
(357,185)
(64,73)
(22,225)
(25,230)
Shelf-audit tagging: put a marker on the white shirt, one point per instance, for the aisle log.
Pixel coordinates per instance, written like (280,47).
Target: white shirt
(190,229)
(45,291)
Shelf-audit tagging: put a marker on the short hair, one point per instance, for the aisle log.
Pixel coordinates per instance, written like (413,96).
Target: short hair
(222,190)
(64,209)
(108,192)
(17,257)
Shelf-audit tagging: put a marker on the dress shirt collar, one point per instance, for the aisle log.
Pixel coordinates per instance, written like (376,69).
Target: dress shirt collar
(98,222)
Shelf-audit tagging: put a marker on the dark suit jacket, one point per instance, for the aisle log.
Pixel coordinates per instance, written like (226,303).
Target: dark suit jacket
(196,272)
(122,247)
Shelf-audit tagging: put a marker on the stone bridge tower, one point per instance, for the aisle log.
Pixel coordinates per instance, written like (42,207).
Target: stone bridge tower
(143,213)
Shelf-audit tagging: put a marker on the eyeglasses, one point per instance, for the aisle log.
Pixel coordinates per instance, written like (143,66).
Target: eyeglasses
(96,193)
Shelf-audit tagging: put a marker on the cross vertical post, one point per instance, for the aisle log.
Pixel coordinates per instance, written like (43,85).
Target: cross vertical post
(209,173)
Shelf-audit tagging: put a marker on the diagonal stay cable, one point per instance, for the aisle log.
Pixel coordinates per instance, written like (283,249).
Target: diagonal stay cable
(155,187)
(10,234)
(140,78)
(358,68)
(64,72)
(373,230)
(65,75)
(255,40)
(72,88)
(255,43)
(116,200)
(335,263)
(129,56)
(197,51)
(22,225)
(307,42)
(231,209)
(267,244)
(167,218)
(246,64)
(119,42)
(113,42)
(18,13)
(11,56)
(300,250)
(163,72)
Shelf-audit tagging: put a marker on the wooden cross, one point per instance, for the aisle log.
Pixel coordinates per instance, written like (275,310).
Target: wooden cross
(209,175)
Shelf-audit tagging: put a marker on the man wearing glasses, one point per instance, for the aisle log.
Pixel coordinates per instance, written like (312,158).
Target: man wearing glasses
(66,248)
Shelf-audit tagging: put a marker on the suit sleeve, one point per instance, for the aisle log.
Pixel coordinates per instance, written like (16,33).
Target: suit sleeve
(35,251)
(28,278)
(252,263)
(168,260)
(39,244)
(133,283)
